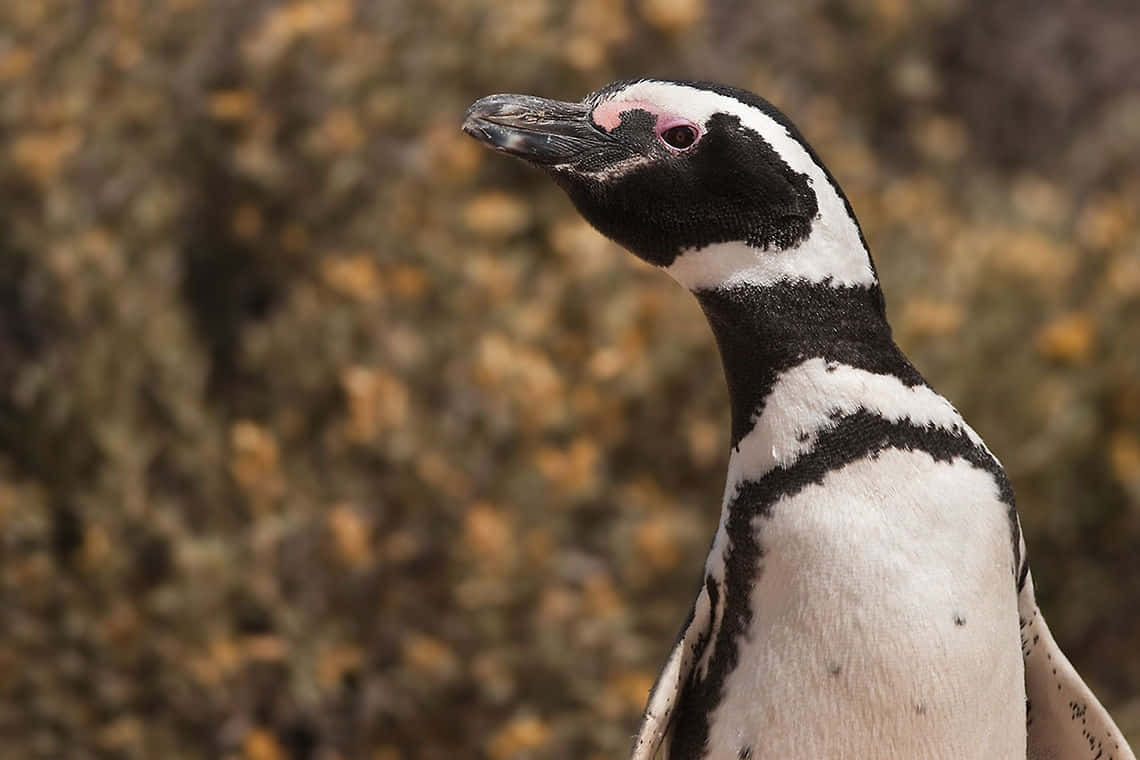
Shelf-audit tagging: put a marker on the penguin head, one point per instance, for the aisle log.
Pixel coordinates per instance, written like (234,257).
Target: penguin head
(710,182)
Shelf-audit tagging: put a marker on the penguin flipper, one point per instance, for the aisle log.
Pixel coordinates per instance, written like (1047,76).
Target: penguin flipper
(1064,719)
(658,715)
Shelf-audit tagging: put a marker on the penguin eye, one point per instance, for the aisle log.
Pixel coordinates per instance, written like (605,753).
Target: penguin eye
(680,136)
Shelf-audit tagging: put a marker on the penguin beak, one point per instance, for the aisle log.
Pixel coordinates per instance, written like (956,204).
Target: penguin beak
(544,132)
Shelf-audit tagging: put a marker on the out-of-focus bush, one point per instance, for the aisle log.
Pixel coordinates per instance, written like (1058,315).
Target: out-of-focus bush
(325,435)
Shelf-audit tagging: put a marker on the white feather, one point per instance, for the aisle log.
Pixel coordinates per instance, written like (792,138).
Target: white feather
(1065,713)
(663,699)
(803,399)
(800,406)
(853,649)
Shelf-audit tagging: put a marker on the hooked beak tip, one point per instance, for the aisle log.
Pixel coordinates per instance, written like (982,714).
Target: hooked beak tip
(487,118)
(474,127)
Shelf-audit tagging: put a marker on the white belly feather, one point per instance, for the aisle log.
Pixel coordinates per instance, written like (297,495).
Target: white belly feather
(885,621)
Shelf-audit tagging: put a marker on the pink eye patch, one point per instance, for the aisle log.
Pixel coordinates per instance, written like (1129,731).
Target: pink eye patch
(608,116)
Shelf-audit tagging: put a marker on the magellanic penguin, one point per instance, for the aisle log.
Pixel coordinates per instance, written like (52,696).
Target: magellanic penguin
(867,593)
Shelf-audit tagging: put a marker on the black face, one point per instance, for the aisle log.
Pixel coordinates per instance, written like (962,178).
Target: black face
(655,186)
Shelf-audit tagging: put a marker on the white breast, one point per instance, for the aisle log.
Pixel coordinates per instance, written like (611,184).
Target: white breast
(884,621)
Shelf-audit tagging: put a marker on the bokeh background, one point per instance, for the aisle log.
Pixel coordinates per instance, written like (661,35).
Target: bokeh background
(326,434)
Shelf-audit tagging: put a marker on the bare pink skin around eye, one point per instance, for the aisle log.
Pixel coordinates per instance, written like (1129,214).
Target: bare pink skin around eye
(608,114)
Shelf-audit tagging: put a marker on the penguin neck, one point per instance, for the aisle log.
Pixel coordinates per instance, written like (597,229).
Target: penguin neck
(763,329)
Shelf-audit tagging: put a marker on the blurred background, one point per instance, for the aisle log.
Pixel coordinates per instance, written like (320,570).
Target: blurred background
(325,433)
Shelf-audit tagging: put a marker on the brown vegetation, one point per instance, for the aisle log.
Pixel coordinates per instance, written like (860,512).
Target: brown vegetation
(325,435)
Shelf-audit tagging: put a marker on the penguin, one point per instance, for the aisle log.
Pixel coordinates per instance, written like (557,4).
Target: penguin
(867,593)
